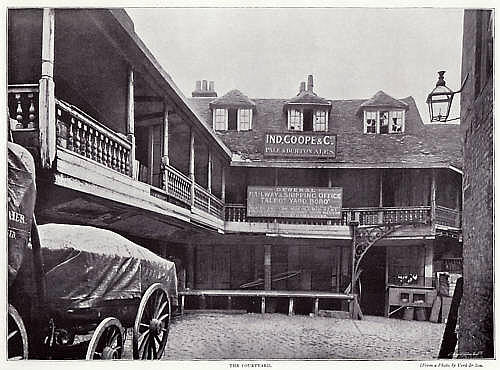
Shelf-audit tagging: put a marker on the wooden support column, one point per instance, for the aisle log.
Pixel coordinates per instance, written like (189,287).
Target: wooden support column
(223,183)
(209,171)
(290,307)
(190,256)
(131,122)
(183,302)
(433,197)
(263,305)
(191,165)
(353,226)
(267,267)
(164,158)
(151,140)
(46,98)
(316,306)
(380,195)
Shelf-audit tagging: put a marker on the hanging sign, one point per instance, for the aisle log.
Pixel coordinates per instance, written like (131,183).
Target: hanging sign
(300,145)
(294,202)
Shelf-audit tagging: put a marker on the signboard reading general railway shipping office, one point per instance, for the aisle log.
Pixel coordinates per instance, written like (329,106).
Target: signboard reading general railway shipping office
(300,145)
(294,202)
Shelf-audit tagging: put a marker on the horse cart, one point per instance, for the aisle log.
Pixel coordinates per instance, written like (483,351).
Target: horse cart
(75,290)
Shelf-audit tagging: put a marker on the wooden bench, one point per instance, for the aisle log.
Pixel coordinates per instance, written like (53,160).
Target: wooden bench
(263,294)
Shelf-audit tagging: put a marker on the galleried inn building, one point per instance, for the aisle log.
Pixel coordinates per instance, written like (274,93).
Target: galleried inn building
(305,194)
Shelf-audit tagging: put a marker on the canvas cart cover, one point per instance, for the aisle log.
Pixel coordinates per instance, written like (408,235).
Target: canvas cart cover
(86,266)
(21,203)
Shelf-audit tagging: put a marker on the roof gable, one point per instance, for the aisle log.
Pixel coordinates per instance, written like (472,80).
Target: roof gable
(308,97)
(383,100)
(233,99)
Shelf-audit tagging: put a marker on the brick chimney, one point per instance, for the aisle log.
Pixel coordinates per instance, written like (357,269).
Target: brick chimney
(310,83)
(302,87)
(203,89)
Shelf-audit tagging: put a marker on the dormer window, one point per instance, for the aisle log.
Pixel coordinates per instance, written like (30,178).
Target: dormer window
(382,114)
(307,111)
(232,112)
(220,119)
(384,122)
(232,119)
(307,120)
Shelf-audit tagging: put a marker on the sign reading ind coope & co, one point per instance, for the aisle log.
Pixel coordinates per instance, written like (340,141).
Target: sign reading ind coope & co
(294,202)
(302,145)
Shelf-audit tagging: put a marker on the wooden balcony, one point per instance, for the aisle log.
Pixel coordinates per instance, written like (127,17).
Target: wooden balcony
(365,216)
(448,217)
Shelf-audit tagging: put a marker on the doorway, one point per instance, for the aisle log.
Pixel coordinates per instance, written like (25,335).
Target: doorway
(373,281)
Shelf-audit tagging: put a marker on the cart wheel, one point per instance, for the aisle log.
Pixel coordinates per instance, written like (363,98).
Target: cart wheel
(17,338)
(107,341)
(152,324)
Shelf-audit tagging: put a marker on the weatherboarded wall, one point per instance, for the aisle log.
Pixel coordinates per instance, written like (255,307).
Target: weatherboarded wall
(476,311)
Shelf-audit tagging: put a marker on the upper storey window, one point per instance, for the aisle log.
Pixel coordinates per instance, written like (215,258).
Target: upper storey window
(232,119)
(307,119)
(384,122)
(232,112)
(382,114)
(307,111)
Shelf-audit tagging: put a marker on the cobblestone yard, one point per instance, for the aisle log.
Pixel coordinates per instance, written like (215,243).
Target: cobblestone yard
(277,336)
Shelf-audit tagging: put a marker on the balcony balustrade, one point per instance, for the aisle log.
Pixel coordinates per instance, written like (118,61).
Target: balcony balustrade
(23,105)
(365,216)
(448,217)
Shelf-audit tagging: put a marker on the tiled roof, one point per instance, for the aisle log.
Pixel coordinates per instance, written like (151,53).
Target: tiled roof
(420,146)
(233,98)
(308,97)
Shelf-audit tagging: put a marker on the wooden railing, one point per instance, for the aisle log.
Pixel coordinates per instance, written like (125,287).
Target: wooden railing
(85,136)
(179,185)
(207,202)
(365,216)
(448,217)
(23,105)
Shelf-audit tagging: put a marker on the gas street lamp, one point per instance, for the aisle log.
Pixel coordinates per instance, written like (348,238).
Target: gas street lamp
(440,99)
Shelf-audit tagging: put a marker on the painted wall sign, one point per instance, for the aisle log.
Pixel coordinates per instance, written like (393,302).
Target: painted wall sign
(294,202)
(301,145)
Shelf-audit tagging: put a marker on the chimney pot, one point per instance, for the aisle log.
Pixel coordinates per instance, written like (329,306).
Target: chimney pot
(310,84)
(211,86)
(198,85)
(302,86)
(204,85)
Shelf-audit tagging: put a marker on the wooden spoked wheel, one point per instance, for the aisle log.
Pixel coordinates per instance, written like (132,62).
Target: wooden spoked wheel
(17,338)
(107,341)
(152,324)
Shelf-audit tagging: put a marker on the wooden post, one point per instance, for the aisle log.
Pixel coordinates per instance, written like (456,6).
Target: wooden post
(229,302)
(46,98)
(316,306)
(190,255)
(263,305)
(223,183)
(164,158)
(352,306)
(267,267)
(433,197)
(131,122)
(191,165)
(209,171)
(183,298)
(290,306)
(380,196)
(150,153)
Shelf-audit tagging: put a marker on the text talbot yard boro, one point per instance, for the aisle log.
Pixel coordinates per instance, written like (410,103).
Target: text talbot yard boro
(296,202)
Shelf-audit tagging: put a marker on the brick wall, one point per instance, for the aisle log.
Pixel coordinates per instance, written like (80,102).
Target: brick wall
(476,311)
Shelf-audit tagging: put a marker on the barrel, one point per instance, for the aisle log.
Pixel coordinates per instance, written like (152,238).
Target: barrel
(408,313)
(420,314)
